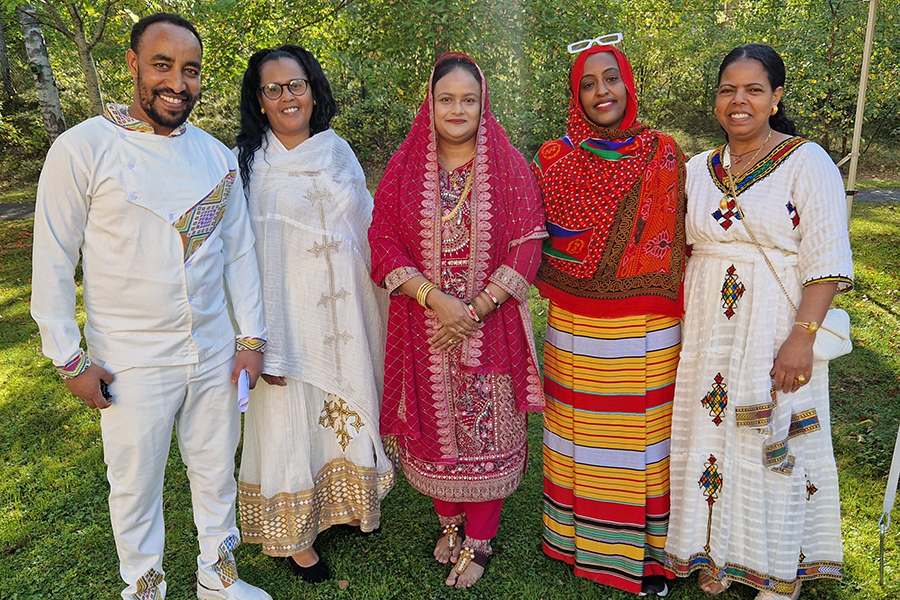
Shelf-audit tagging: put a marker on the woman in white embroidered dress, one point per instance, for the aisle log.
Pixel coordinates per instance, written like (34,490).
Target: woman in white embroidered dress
(312,454)
(754,482)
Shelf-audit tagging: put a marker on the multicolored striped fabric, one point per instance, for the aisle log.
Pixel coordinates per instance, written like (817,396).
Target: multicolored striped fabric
(609,385)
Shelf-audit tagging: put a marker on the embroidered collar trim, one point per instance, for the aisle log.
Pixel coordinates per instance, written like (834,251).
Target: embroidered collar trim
(760,171)
(117,114)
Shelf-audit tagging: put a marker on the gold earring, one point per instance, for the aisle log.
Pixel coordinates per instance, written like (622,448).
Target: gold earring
(314,102)
(774,110)
(262,110)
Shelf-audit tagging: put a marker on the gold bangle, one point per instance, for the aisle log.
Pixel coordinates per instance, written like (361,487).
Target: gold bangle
(811,327)
(422,293)
(492,297)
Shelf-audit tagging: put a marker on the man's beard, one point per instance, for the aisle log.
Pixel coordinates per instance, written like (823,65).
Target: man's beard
(164,117)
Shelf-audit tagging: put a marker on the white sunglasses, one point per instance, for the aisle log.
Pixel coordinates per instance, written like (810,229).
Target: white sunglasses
(604,40)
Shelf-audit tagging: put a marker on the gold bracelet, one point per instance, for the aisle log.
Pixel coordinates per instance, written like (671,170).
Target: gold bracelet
(811,327)
(423,293)
(492,297)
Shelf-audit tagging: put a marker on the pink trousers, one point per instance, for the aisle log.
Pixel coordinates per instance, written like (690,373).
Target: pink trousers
(482,518)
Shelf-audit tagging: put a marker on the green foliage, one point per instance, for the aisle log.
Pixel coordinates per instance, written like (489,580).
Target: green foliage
(378,55)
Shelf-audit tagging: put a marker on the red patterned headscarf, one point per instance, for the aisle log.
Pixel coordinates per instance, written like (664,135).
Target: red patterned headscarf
(630,118)
(615,211)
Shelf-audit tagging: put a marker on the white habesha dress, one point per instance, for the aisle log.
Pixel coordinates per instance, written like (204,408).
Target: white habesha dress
(753,479)
(313,455)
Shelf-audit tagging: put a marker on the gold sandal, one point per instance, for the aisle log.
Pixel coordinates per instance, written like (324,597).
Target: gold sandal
(471,555)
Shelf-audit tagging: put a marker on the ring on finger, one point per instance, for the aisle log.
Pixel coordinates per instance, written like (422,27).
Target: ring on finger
(801,379)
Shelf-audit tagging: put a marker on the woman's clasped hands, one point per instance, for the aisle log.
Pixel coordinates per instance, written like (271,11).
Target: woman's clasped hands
(456,320)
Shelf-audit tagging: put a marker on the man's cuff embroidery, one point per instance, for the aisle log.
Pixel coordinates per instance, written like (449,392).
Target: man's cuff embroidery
(76,366)
(251,343)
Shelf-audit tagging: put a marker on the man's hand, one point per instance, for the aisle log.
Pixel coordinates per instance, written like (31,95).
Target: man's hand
(252,362)
(87,386)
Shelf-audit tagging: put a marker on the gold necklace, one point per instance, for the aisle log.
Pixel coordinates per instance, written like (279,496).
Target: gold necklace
(462,197)
(723,203)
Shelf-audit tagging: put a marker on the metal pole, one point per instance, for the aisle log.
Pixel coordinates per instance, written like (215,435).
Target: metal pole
(860,106)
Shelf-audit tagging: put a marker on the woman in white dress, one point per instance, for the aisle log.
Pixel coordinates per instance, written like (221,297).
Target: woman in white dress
(753,479)
(312,454)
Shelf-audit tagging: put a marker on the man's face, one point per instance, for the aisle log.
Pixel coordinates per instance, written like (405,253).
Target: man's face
(166,71)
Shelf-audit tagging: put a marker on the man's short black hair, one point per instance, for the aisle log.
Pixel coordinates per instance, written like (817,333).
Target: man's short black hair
(141,26)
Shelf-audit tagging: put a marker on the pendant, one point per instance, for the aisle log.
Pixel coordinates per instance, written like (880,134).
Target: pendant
(723,203)
(738,159)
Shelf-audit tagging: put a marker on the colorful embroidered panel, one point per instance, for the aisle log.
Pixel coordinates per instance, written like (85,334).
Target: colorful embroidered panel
(732,290)
(761,581)
(148,586)
(225,567)
(760,171)
(75,367)
(198,223)
(757,415)
(805,422)
(792,212)
(810,490)
(716,399)
(724,217)
(711,482)
(567,244)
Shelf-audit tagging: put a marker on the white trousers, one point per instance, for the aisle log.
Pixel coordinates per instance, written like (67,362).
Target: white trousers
(200,401)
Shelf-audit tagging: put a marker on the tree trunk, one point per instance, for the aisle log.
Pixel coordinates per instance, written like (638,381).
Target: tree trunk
(90,74)
(39,64)
(5,75)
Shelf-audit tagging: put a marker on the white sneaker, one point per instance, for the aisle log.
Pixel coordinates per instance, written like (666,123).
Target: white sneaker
(239,590)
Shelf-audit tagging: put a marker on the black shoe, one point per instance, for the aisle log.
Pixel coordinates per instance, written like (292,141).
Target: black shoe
(654,585)
(315,574)
(356,529)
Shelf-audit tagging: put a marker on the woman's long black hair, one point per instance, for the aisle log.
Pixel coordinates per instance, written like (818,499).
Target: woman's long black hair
(774,67)
(254,124)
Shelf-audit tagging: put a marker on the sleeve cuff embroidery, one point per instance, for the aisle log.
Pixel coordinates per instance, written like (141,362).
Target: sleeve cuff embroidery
(511,281)
(251,343)
(76,366)
(398,277)
(845,284)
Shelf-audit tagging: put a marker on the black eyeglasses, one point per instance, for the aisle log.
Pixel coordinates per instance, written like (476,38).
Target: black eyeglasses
(273,91)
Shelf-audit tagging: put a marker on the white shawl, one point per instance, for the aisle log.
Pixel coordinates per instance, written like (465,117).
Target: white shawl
(310,211)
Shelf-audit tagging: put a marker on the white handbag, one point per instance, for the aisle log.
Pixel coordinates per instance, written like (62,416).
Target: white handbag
(833,336)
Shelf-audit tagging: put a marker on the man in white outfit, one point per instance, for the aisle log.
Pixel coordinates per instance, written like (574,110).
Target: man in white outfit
(156,210)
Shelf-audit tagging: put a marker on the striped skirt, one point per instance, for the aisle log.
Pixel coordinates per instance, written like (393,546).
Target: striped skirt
(609,385)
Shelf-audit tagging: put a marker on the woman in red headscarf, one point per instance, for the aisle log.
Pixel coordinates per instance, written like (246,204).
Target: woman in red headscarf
(612,267)
(455,238)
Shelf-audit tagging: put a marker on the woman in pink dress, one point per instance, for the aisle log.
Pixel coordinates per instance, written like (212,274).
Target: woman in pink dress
(455,237)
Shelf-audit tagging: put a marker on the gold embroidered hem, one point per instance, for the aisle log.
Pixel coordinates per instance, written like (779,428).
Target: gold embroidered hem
(288,523)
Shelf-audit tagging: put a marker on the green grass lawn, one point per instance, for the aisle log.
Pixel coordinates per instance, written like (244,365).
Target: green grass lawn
(54,524)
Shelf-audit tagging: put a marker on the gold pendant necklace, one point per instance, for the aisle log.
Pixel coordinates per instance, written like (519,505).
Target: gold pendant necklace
(462,197)
(723,203)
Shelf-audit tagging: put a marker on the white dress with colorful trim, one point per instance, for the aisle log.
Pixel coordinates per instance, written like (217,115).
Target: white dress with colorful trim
(754,487)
